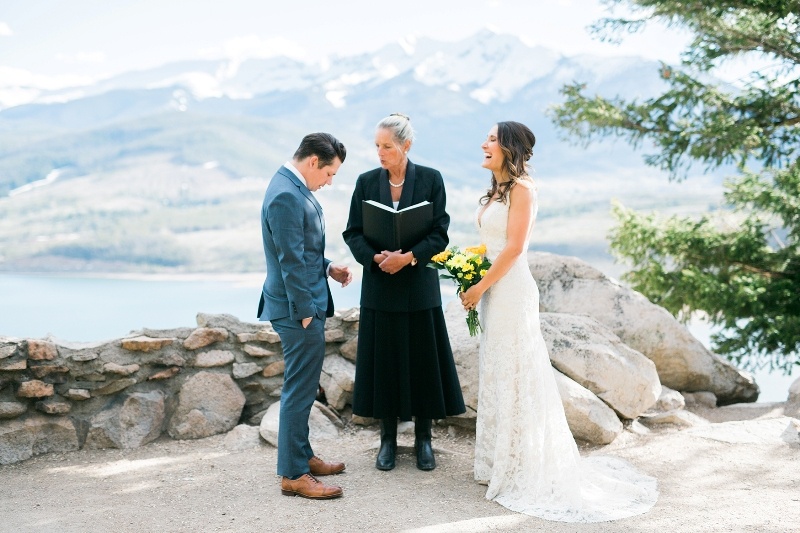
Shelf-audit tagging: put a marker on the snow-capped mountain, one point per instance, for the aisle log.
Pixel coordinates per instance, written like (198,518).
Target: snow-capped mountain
(488,67)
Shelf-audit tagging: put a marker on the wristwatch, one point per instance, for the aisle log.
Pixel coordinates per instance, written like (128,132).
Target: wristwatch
(413,260)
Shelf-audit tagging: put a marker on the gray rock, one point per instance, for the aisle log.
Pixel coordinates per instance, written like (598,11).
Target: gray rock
(669,400)
(12,409)
(83,357)
(591,355)
(23,438)
(351,315)
(114,387)
(704,398)
(225,321)
(121,370)
(257,351)
(9,347)
(588,417)
(676,417)
(213,358)
(208,404)
(319,426)
(77,394)
(243,437)
(338,380)
(133,421)
(349,349)
(569,285)
(243,370)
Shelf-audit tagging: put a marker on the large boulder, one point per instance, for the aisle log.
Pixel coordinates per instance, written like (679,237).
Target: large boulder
(128,422)
(208,404)
(589,419)
(338,379)
(590,354)
(23,438)
(569,285)
(320,426)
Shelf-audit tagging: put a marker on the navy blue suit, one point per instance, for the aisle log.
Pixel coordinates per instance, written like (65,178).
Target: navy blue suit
(296,287)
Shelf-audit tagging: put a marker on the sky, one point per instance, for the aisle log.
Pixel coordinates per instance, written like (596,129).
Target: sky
(52,44)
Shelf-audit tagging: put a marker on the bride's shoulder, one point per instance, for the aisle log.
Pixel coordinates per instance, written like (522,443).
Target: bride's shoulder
(523,187)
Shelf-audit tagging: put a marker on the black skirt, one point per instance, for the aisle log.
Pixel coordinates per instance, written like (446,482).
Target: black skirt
(405,367)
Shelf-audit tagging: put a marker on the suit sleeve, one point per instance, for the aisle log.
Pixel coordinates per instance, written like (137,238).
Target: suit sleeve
(353,235)
(285,222)
(437,240)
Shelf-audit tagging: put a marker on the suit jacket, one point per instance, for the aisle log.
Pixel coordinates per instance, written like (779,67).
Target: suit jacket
(413,288)
(293,233)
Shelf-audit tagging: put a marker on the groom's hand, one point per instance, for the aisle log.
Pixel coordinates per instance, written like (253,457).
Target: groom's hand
(341,274)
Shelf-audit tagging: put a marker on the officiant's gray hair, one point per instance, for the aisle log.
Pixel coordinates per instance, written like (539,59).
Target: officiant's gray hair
(400,126)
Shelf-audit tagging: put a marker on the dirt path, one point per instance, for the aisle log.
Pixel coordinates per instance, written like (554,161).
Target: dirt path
(717,479)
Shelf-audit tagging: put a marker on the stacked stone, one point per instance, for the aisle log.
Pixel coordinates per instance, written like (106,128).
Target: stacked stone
(188,383)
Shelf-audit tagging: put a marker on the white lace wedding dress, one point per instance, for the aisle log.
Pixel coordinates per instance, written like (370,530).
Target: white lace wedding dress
(523,447)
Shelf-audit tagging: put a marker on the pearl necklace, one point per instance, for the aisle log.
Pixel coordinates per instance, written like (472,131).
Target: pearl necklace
(398,185)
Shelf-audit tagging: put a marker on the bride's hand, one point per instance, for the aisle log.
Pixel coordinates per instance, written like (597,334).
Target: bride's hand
(471,297)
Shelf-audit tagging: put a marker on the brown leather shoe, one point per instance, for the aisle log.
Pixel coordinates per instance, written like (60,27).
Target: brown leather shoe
(318,467)
(310,487)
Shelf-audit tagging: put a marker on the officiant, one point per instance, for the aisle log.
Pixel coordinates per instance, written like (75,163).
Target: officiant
(404,363)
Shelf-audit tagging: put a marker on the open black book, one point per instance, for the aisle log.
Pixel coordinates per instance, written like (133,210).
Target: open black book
(387,229)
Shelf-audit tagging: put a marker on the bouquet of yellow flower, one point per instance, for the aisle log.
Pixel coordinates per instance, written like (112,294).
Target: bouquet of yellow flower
(465,268)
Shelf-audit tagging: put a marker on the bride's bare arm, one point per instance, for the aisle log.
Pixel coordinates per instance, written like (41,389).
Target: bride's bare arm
(520,212)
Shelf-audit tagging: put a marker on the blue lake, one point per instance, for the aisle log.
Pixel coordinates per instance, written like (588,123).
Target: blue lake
(93,309)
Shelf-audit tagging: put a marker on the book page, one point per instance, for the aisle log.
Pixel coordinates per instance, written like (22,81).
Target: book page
(378,204)
(414,206)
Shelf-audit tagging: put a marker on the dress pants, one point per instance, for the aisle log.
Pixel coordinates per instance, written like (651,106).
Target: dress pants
(303,354)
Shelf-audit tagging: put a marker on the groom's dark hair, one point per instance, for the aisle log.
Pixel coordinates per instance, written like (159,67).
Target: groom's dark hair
(323,145)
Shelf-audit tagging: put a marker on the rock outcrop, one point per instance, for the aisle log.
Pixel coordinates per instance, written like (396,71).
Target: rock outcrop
(569,285)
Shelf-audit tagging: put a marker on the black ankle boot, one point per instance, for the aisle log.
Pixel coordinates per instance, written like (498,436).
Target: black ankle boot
(422,444)
(386,454)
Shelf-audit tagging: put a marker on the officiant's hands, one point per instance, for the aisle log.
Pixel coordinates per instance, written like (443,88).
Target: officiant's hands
(395,261)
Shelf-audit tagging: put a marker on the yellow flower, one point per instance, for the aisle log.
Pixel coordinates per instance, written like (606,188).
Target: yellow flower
(468,267)
(483,272)
(478,250)
(441,257)
(468,276)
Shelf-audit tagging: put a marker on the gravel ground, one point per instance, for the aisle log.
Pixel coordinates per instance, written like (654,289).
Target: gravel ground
(706,483)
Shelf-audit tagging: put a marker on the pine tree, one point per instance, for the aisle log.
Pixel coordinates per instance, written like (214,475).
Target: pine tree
(745,276)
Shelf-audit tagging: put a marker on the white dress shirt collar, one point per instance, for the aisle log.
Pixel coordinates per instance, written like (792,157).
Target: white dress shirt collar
(296,172)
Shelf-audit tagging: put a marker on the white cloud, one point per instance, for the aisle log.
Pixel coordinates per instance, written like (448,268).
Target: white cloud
(19,86)
(82,57)
(5,30)
(253,46)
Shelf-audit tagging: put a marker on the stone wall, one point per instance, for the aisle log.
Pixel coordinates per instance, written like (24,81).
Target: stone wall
(186,382)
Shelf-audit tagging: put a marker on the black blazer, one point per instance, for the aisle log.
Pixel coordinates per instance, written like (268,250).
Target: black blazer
(413,288)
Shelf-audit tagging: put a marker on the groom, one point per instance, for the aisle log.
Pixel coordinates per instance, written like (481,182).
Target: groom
(296,299)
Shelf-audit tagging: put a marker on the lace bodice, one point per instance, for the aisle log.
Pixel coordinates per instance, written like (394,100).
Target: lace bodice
(524,449)
(491,223)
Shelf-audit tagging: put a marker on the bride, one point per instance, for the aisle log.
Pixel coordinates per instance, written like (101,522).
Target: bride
(524,450)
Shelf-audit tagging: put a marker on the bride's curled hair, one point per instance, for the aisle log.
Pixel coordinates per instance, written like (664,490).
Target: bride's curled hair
(516,141)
